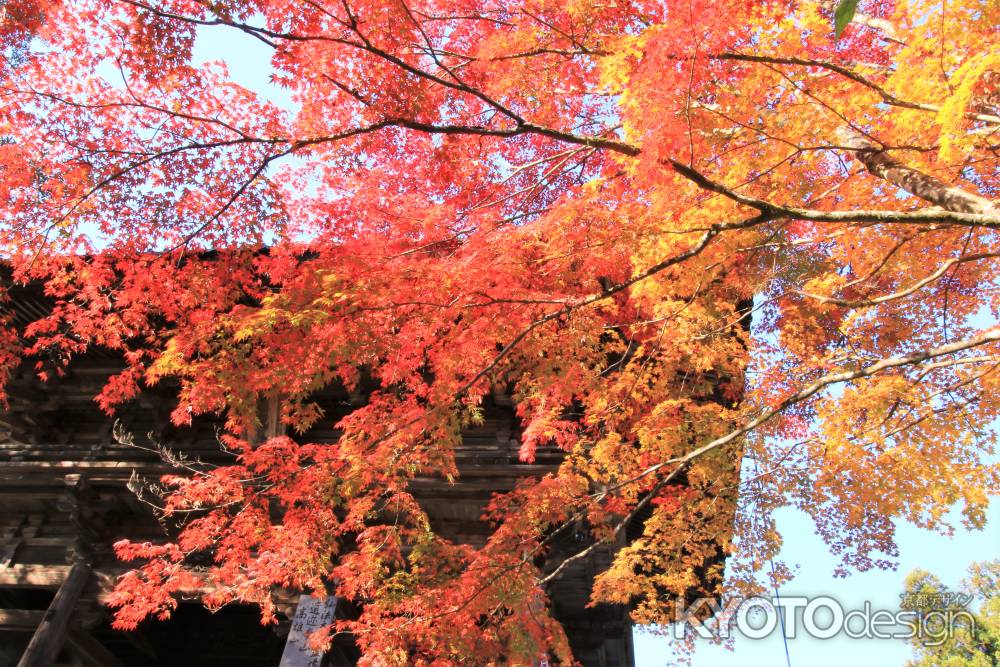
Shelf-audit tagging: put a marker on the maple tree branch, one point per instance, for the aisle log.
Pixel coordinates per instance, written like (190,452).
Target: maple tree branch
(873,157)
(956,201)
(433,52)
(249,30)
(922,216)
(860,303)
(902,425)
(480,16)
(148,159)
(457,84)
(541,182)
(877,160)
(267,36)
(769,212)
(882,262)
(136,103)
(848,73)
(831,379)
(522,126)
(568,53)
(230,201)
(684,461)
(805,393)
(583,140)
(554,28)
(607,293)
(804,90)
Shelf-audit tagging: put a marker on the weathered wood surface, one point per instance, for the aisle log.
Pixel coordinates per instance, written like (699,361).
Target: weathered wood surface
(34,576)
(50,636)
(20,619)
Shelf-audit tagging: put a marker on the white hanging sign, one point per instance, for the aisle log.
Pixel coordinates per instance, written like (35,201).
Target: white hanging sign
(311,614)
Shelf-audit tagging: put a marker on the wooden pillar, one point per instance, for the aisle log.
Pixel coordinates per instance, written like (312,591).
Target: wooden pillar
(51,633)
(268,420)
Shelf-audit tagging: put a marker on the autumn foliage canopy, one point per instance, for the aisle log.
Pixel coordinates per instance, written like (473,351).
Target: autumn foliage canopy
(687,237)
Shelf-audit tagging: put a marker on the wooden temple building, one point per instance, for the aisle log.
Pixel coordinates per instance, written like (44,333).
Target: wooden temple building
(65,499)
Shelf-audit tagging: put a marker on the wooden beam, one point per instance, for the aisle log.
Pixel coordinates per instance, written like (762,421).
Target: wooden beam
(33,576)
(91,651)
(10,541)
(70,466)
(20,619)
(51,634)
(66,541)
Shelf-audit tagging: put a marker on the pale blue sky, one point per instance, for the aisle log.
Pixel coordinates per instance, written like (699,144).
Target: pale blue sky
(948,557)
(249,64)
